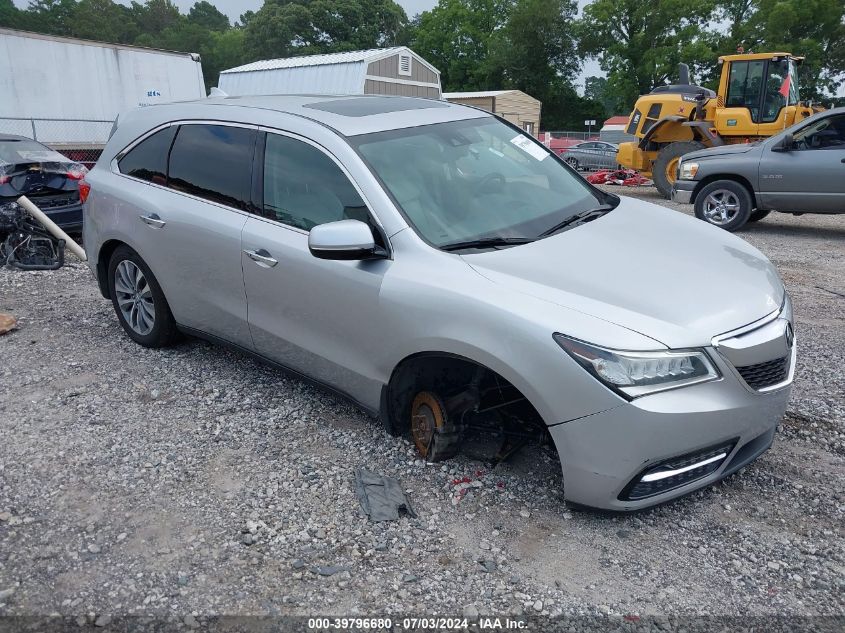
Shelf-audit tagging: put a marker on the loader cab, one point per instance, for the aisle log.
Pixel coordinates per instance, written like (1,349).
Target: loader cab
(758,94)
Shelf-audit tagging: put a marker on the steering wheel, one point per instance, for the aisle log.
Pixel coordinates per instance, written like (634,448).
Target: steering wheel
(489,179)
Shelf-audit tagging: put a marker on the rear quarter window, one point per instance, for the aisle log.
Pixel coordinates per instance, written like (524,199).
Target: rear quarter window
(148,159)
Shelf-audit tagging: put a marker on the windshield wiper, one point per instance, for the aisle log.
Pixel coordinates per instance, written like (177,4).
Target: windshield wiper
(578,218)
(486,242)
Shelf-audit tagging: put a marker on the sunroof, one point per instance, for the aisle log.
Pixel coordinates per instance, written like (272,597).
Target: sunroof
(367,106)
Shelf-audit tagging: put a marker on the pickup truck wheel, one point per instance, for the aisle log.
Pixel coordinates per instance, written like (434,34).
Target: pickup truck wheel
(724,203)
(434,434)
(666,166)
(756,216)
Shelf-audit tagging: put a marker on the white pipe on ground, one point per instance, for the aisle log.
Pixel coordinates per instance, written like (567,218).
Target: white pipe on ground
(53,228)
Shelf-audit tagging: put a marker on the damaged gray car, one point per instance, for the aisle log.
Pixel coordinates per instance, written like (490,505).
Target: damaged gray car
(446,272)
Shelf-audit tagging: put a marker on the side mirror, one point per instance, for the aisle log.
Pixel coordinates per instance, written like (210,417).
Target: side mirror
(785,144)
(344,239)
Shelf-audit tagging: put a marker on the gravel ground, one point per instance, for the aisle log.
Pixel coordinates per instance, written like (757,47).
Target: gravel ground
(193,481)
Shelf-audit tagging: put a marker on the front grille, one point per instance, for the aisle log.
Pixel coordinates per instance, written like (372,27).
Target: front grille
(662,480)
(766,374)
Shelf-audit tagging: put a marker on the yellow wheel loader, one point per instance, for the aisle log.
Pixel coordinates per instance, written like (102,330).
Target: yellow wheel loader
(757,97)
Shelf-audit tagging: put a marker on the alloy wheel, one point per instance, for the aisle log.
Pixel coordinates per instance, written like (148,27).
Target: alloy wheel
(134,297)
(721,206)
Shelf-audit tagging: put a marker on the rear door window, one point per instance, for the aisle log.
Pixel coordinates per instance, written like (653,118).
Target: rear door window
(213,162)
(148,159)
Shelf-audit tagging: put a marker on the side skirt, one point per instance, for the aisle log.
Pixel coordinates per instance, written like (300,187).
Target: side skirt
(211,338)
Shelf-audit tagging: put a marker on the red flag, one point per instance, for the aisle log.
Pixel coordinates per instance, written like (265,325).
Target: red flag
(784,87)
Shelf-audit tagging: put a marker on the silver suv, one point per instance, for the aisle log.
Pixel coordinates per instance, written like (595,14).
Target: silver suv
(450,275)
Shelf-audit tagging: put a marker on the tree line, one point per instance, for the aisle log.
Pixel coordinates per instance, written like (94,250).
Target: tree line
(538,46)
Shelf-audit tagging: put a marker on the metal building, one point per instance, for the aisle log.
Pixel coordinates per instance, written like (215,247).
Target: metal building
(514,105)
(385,71)
(613,130)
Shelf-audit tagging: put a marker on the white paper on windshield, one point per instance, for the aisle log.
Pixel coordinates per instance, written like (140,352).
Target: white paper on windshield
(529,147)
(41,155)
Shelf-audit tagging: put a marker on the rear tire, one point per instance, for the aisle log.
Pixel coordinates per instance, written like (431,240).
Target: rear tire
(572,162)
(664,170)
(138,300)
(724,203)
(758,215)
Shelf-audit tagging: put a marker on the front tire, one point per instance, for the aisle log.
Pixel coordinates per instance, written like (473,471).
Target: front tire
(724,203)
(572,162)
(666,166)
(138,300)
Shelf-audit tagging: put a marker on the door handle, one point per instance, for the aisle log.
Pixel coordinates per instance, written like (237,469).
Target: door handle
(261,257)
(842,161)
(152,220)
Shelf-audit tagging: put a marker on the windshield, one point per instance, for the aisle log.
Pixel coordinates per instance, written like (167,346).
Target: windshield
(781,88)
(472,180)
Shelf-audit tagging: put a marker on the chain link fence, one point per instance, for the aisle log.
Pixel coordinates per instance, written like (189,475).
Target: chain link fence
(573,136)
(81,140)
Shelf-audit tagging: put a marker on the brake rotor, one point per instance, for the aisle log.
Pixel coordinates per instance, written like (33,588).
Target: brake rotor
(427,416)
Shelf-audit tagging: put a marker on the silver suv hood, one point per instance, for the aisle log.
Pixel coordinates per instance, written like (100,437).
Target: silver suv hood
(670,277)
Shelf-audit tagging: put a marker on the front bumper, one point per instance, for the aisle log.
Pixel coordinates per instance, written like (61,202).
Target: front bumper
(606,454)
(682,191)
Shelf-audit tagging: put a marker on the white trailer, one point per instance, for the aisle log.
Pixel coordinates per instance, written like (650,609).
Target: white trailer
(65,92)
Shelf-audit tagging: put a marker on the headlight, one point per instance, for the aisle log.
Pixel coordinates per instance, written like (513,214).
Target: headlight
(634,374)
(688,171)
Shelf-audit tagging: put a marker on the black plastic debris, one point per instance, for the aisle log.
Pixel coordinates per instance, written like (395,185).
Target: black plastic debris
(381,497)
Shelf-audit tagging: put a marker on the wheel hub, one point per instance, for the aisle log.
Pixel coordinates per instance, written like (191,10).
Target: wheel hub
(721,206)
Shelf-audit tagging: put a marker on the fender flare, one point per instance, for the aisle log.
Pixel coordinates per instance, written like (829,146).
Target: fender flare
(644,141)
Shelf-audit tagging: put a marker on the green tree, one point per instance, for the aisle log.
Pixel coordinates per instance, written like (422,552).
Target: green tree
(639,44)
(455,37)
(226,50)
(281,28)
(10,15)
(153,17)
(245,18)
(596,90)
(535,51)
(49,16)
(208,16)
(103,20)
